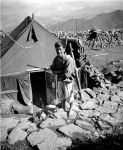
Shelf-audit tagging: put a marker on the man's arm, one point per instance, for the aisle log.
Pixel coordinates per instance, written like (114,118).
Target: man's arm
(55,70)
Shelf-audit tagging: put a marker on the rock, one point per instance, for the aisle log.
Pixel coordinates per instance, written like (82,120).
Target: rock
(85,96)
(25,118)
(89,104)
(104,125)
(104,90)
(52,123)
(85,125)
(115,98)
(9,123)
(55,144)
(39,136)
(90,93)
(96,90)
(111,120)
(108,82)
(18,108)
(36,109)
(27,126)
(72,114)
(63,142)
(103,97)
(89,113)
(103,109)
(120,94)
(75,132)
(61,114)
(108,131)
(75,107)
(5,105)
(16,135)
(111,106)
(47,145)
(3,134)
(119,114)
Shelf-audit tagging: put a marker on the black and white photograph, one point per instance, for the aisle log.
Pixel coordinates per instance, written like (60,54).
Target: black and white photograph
(61,74)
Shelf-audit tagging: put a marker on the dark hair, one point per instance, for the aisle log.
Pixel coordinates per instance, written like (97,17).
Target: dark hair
(58,44)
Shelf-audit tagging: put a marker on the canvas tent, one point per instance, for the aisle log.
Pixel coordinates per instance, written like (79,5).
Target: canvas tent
(27,47)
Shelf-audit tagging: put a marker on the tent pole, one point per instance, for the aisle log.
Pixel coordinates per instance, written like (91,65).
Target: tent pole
(32,16)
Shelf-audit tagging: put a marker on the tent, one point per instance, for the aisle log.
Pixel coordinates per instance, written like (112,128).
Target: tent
(27,47)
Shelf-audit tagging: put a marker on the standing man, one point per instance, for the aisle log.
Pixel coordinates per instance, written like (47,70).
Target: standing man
(64,67)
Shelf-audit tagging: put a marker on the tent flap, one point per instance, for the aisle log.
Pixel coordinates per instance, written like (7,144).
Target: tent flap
(9,88)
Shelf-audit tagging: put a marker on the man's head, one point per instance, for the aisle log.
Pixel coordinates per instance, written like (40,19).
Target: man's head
(59,49)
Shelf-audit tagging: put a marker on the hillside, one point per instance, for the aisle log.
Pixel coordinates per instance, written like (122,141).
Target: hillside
(101,21)
(68,25)
(54,13)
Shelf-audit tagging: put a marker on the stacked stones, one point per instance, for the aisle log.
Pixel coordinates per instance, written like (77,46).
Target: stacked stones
(101,111)
(92,119)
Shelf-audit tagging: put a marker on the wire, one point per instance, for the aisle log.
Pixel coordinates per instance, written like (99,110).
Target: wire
(27,47)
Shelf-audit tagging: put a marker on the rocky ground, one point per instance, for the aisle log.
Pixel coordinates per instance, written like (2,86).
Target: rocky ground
(96,122)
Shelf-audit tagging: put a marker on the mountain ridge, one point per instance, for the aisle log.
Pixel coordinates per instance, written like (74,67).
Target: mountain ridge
(102,21)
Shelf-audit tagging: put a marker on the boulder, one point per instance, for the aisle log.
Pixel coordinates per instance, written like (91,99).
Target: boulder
(52,123)
(3,134)
(16,135)
(103,97)
(111,106)
(5,105)
(120,94)
(40,136)
(90,93)
(109,119)
(119,114)
(27,126)
(89,113)
(89,104)
(104,125)
(85,96)
(61,114)
(9,123)
(18,108)
(115,98)
(103,109)
(75,132)
(55,144)
(85,125)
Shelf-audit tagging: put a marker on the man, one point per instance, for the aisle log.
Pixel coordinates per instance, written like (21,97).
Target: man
(92,36)
(64,67)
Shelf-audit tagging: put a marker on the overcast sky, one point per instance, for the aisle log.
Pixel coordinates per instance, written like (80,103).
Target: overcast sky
(45,2)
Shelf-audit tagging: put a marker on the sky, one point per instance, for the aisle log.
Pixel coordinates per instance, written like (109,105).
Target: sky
(46,9)
(45,2)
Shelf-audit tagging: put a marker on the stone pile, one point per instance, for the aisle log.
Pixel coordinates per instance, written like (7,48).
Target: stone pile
(100,110)
(90,120)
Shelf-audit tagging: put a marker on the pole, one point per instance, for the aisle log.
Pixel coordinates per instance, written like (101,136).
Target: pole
(76,27)
(76,73)
(32,16)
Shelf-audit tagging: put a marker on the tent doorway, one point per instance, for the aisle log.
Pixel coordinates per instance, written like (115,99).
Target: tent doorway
(43,88)
(38,88)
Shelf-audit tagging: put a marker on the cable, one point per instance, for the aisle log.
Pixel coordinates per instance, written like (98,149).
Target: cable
(17,42)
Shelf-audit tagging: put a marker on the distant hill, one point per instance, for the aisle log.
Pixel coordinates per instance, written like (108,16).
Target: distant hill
(68,25)
(14,11)
(101,21)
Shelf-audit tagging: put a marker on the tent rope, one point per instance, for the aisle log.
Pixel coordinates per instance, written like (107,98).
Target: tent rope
(27,47)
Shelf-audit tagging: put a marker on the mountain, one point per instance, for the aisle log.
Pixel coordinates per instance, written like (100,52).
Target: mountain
(14,11)
(101,21)
(71,24)
(11,16)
